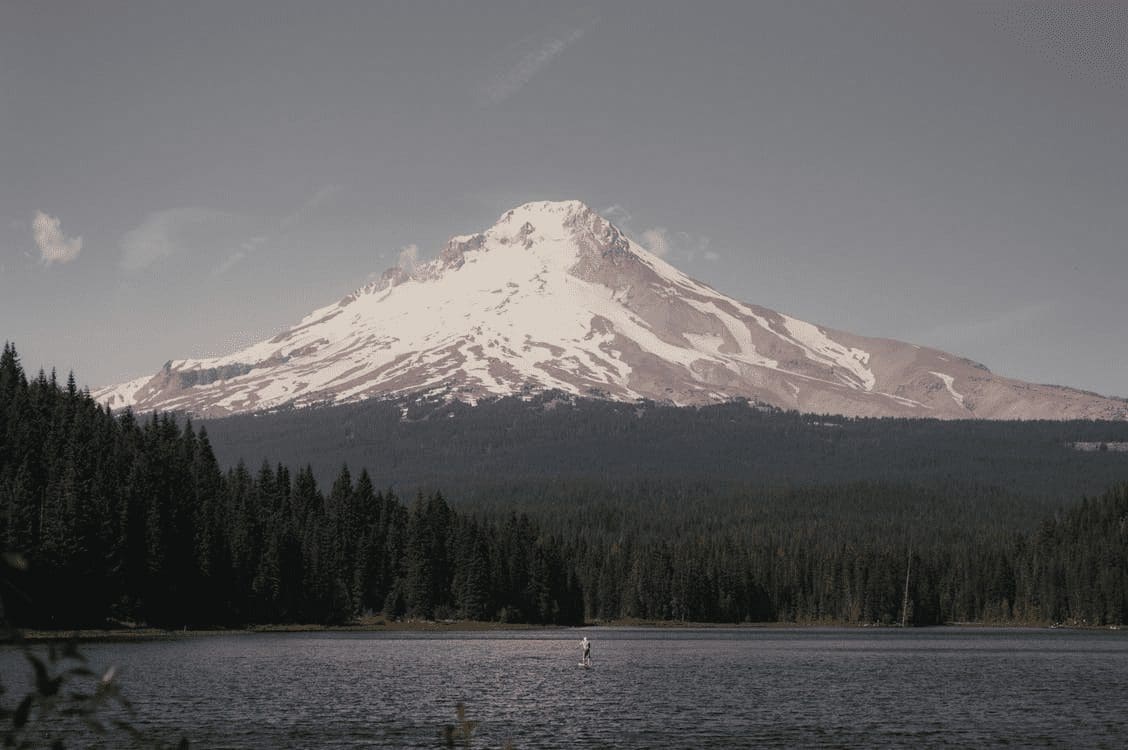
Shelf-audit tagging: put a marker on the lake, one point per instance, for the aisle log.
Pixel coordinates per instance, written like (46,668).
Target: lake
(741,687)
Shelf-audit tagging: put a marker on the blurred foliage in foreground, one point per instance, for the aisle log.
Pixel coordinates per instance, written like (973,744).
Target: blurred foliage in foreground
(66,703)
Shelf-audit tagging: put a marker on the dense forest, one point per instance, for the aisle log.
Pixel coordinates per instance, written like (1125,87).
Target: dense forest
(854,553)
(427,442)
(134,520)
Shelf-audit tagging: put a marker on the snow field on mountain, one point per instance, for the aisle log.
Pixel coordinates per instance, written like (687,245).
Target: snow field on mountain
(948,381)
(554,297)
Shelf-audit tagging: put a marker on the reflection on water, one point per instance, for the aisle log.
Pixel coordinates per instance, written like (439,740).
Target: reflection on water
(648,688)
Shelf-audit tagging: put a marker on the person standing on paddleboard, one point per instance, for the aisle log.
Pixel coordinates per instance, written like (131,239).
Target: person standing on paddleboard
(585,644)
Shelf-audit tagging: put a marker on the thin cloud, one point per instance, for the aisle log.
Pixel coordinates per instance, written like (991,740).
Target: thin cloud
(672,246)
(161,235)
(512,80)
(657,241)
(321,197)
(229,262)
(692,245)
(408,258)
(617,215)
(54,246)
(204,231)
(246,248)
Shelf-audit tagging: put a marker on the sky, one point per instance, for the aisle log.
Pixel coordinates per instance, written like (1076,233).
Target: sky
(184,179)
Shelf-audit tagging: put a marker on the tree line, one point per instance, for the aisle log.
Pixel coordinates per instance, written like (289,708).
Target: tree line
(861,552)
(426,441)
(132,520)
(1073,569)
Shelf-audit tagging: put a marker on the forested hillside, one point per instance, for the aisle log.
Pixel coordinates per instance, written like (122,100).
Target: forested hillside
(122,520)
(133,520)
(844,554)
(429,443)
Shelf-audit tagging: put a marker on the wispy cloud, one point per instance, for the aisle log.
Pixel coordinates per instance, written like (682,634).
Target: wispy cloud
(229,262)
(54,246)
(408,258)
(162,234)
(211,234)
(693,246)
(673,246)
(618,216)
(657,241)
(513,79)
(245,248)
(676,246)
(321,197)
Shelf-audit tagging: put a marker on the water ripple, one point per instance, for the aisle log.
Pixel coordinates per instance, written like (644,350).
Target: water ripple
(648,688)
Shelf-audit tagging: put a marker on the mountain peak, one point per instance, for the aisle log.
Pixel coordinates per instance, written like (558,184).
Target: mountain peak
(553,296)
(545,212)
(564,231)
(542,220)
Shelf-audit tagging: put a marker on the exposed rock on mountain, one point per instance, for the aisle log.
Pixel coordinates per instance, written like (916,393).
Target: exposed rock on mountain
(553,296)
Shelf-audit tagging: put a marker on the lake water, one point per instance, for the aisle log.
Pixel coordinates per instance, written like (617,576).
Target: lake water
(648,688)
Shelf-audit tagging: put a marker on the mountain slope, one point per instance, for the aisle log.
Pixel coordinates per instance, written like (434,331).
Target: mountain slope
(553,296)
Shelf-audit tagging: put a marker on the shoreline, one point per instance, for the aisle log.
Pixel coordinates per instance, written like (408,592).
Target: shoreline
(379,625)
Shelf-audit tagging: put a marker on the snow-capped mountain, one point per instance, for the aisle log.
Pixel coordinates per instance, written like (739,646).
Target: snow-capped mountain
(553,296)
